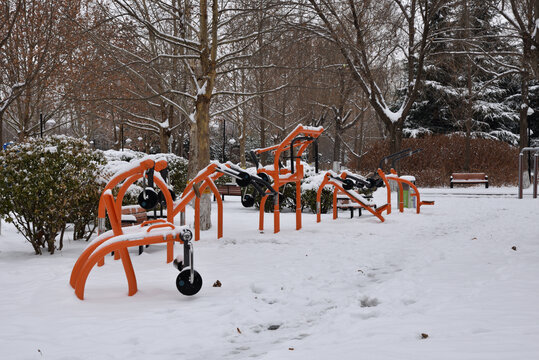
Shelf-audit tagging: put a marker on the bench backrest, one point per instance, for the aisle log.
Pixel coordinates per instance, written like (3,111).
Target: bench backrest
(225,189)
(466,176)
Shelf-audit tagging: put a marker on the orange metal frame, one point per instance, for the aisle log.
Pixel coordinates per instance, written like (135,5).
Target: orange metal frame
(283,176)
(150,232)
(401,181)
(119,239)
(337,187)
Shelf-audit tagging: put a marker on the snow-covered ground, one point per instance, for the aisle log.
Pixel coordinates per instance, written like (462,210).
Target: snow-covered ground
(345,289)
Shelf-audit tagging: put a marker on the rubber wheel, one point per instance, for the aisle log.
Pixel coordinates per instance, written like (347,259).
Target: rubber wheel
(245,179)
(264,177)
(247,200)
(184,286)
(150,201)
(347,184)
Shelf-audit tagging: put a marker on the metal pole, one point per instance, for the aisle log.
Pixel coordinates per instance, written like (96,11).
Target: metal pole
(224,140)
(122,135)
(535,161)
(41,124)
(316,156)
(520,178)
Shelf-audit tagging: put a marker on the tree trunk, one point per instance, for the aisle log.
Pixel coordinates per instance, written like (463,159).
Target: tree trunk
(337,142)
(203,158)
(468,102)
(193,151)
(243,135)
(1,129)
(524,107)
(261,109)
(395,137)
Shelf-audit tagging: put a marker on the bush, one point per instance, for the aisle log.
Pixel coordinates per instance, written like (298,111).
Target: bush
(46,183)
(443,155)
(177,167)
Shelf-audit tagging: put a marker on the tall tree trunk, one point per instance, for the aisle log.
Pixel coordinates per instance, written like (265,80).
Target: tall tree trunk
(203,159)
(262,112)
(1,128)
(193,151)
(337,142)
(468,102)
(395,137)
(524,107)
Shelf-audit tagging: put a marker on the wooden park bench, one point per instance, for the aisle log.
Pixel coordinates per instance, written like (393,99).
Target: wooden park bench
(344,203)
(133,215)
(468,178)
(230,189)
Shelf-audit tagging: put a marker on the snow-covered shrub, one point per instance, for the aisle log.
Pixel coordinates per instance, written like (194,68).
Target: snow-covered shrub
(117,160)
(309,190)
(46,183)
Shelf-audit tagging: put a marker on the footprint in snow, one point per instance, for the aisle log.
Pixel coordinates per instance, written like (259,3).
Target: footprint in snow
(368,302)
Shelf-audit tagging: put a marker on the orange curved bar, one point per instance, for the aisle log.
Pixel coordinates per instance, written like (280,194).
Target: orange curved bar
(205,178)
(120,247)
(337,187)
(143,166)
(83,258)
(386,182)
(153,221)
(157,226)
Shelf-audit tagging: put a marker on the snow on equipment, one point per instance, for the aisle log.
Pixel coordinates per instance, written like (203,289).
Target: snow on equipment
(356,187)
(119,239)
(299,138)
(401,181)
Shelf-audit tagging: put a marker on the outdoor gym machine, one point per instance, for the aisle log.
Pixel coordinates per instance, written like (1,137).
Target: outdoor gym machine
(119,239)
(400,180)
(350,184)
(535,151)
(296,143)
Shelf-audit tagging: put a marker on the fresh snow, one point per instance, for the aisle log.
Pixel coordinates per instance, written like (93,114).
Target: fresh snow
(339,289)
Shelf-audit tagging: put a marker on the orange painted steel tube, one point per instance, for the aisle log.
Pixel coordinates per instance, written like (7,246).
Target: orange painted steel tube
(121,247)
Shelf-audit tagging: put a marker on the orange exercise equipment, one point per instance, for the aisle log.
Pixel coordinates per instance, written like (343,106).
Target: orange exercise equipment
(119,239)
(400,180)
(345,183)
(298,139)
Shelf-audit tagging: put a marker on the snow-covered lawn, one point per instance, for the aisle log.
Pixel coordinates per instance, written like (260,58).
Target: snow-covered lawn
(345,289)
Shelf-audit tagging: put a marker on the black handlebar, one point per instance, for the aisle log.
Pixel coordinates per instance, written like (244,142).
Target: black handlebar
(384,159)
(402,156)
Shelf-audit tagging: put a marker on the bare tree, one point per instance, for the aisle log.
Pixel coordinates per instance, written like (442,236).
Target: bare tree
(8,91)
(367,42)
(33,58)
(205,52)
(523,19)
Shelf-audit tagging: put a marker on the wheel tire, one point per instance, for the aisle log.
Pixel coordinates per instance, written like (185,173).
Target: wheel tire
(184,286)
(150,201)
(348,184)
(245,179)
(264,177)
(247,200)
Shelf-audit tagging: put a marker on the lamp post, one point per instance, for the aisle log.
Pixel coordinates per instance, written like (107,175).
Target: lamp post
(122,135)
(41,124)
(224,140)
